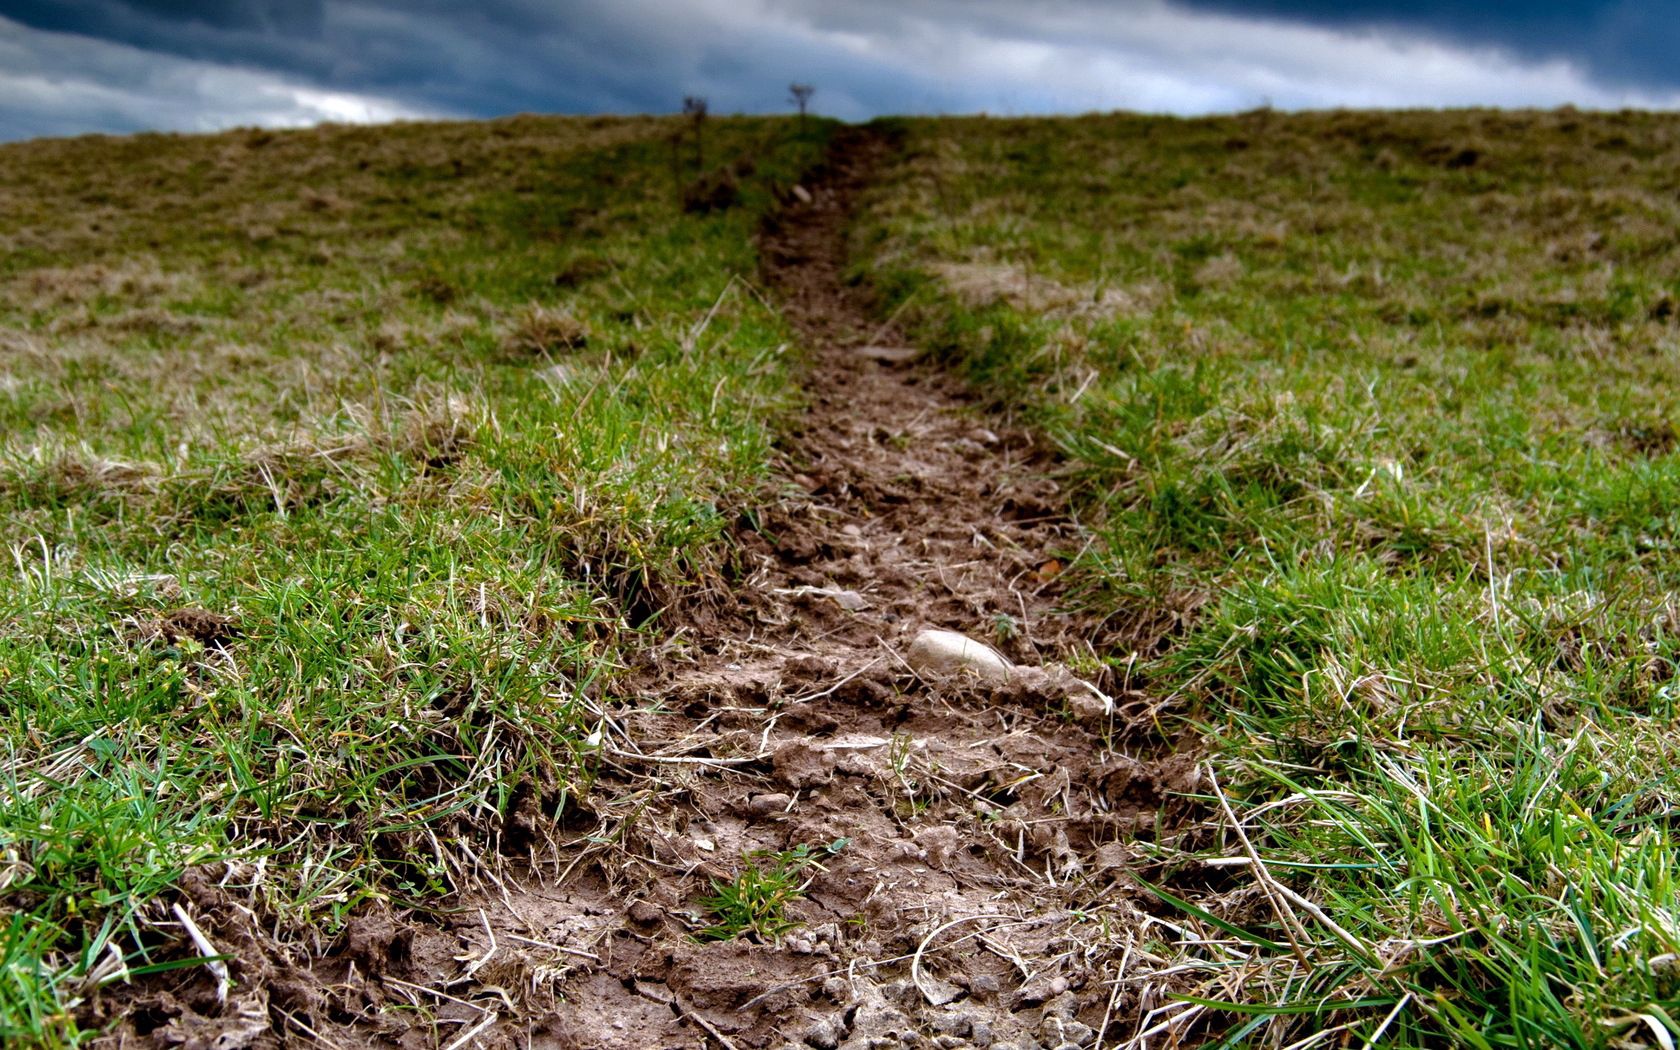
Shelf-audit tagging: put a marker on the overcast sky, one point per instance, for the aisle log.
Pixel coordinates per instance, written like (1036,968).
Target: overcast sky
(74,66)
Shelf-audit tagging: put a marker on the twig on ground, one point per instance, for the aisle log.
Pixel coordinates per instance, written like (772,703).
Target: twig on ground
(916,957)
(477,963)
(1377,1035)
(1114,992)
(320,1039)
(490,1018)
(212,957)
(1269,885)
(1318,913)
(437,992)
(685,760)
(675,1002)
(836,685)
(561,948)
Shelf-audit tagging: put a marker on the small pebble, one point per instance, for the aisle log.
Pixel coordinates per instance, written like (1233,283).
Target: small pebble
(1060,1004)
(769,804)
(822,1035)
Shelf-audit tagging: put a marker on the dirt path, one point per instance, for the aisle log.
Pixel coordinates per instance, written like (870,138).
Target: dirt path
(973,840)
(981,826)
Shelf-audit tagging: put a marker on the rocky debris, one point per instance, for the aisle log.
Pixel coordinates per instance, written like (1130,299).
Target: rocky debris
(823,1034)
(1055,683)
(945,654)
(645,914)
(798,765)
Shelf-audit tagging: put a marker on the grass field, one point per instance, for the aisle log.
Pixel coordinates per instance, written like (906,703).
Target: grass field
(1372,416)
(336,469)
(341,471)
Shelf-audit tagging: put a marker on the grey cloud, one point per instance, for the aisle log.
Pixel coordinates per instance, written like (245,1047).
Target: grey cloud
(284,35)
(866,56)
(56,84)
(1629,43)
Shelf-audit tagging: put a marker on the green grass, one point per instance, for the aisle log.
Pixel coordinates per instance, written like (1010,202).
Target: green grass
(754,903)
(1373,418)
(435,415)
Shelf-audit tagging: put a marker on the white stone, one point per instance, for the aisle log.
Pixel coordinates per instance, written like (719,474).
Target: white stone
(944,653)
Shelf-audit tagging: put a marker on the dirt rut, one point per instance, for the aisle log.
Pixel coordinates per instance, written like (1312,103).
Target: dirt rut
(973,840)
(973,843)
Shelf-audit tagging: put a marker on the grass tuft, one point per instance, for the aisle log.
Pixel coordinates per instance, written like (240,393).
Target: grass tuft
(754,903)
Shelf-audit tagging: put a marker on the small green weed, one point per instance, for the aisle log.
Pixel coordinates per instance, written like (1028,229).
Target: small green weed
(755,901)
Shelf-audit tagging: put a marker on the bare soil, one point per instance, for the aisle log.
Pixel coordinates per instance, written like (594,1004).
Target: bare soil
(977,886)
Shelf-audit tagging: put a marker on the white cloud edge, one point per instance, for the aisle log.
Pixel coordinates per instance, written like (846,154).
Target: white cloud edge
(1154,56)
(62,83)
(943,55)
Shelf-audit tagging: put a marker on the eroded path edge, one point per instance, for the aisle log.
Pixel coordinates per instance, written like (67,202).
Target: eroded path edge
(971,839)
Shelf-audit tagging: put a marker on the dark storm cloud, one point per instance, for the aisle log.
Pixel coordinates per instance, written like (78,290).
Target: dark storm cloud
(284,33)
(1625,42)
(68,65)
(496,56)
(119,18)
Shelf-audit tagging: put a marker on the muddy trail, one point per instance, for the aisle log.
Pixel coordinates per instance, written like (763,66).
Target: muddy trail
(964,849)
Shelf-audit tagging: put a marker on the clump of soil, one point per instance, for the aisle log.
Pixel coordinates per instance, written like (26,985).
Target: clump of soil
(545,330)
(189,623)
(717,190)
(974,839)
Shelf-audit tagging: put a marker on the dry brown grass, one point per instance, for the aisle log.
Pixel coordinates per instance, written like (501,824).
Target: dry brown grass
(543,330)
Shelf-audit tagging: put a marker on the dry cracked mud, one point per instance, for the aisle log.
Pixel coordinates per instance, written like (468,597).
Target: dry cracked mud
(974,843)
